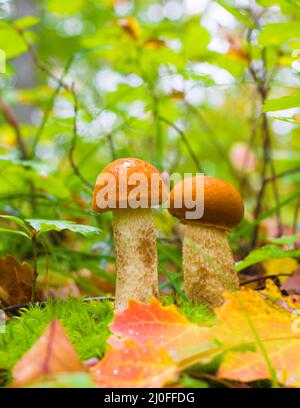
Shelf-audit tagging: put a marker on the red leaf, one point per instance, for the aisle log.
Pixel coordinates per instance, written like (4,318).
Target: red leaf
(165,326)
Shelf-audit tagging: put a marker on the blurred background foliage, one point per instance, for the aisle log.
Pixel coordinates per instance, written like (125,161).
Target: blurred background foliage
(188,85)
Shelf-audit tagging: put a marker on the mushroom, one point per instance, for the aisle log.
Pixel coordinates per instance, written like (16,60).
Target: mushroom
(208,264)
(130,188)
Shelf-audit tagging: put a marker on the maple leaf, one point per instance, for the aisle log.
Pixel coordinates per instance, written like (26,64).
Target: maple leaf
(272,325)
(165,326)
(134,366)
(51,354)
(15,281)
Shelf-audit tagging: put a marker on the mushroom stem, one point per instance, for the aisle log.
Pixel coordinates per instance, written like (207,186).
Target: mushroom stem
(208,264)
(135,245)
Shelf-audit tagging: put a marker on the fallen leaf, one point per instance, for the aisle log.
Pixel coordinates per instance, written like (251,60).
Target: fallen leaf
(135,366)
(273,294)
(273,325)
(165,326)
(51,354)
(15,281)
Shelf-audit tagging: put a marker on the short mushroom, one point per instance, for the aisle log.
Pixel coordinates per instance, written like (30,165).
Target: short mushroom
(208,264)
(131,199)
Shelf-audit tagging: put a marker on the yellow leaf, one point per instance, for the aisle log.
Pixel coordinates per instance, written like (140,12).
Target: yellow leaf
(280,266)
(275,328)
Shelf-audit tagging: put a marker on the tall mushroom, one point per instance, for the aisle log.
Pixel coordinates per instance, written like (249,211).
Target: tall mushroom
(208,264)
(130,188)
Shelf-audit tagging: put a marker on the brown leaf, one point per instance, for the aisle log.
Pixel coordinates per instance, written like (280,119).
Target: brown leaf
(51,354)
(15,281)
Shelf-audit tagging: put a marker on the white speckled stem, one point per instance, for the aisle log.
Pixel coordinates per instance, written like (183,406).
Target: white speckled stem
(135,245)
(208,265)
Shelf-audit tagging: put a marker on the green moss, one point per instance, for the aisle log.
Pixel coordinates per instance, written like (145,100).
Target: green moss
(196,313)
(86,324)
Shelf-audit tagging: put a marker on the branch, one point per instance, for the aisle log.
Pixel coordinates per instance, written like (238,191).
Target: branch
(214,140)
(185,141)
(12,120)
(73,143)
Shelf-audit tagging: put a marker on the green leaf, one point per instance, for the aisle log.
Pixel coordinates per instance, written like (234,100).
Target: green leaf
(285,102)
(26,22)
(268,3)
(196,40)
(266,252)
(6,230)
(43,226)
(10,41)
(17,220)
(285,239)
(279,33)
(65,7)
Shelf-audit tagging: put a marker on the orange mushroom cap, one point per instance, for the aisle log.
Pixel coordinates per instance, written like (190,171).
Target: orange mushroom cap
(223,204)
(129,174)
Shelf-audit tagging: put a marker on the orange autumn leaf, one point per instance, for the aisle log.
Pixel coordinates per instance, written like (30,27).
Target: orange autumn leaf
(51,354)
(165,326)
(134,366)
(274,326)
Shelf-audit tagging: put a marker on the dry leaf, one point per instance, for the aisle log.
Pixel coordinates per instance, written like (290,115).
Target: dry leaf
(51,354)
(15,281)
(292,284)
(165,326)
(134,366)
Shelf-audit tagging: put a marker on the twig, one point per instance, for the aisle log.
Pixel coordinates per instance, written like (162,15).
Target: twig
(35,271)
(41,65)
(73,142)
(213,138)
(12,120)
(111,145)
(185,141)
(296,214)
(49,108)
(283,174)
(262,278)
(263,86)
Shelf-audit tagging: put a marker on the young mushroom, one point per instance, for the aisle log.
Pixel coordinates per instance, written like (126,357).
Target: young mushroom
(130,188)
(208,264)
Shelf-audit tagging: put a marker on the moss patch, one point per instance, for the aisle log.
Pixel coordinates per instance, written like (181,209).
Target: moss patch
(85,322)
